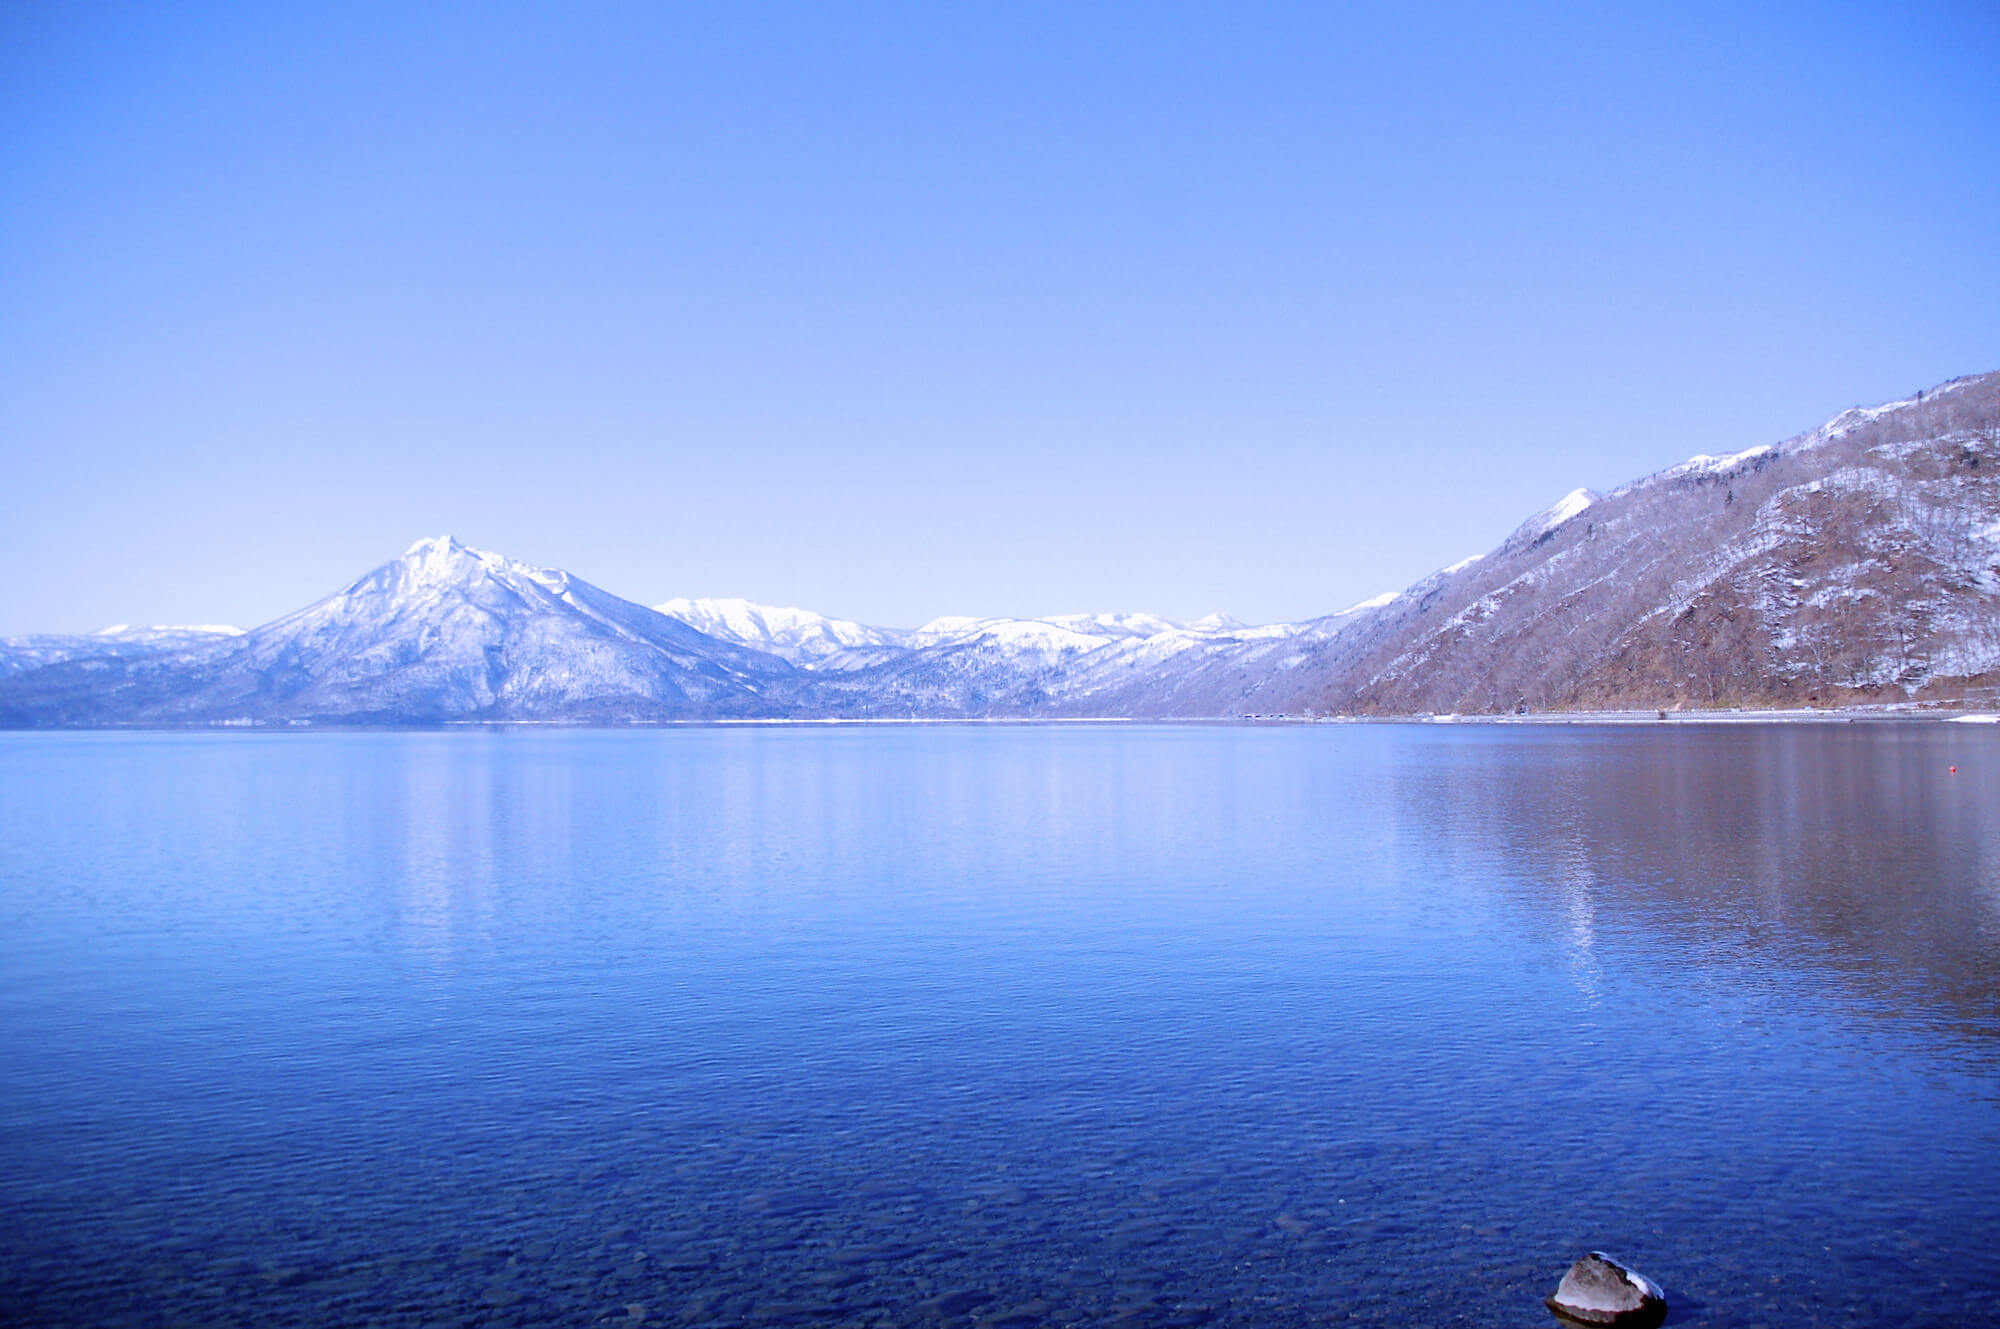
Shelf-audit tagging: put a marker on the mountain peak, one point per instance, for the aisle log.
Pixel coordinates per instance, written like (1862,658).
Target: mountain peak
(1753,577)
(1554,515)
(436,546)
(442,560)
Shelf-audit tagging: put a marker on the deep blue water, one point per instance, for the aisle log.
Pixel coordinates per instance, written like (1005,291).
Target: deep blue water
(1000,1026)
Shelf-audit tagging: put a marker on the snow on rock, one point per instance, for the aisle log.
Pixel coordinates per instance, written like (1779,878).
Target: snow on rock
(1600,1290)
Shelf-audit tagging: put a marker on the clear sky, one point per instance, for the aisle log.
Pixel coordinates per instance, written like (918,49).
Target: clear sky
(895,311)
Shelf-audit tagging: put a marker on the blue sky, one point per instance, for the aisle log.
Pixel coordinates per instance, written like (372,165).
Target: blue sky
(895,311)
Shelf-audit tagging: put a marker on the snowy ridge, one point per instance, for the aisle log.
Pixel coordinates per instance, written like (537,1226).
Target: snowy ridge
(444,632)
(1859,417)
(1120,625)
(1860,562)
(1841,425)
(1702,463)
(1564,509)
(1027,635)
(798,635)
(1078,632)
(1845,565)
(119,641)
(129,632)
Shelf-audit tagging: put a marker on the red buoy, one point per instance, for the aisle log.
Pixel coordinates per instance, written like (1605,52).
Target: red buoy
(1954,770)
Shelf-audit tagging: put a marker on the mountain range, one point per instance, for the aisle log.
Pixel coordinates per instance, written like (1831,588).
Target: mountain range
(1857,562)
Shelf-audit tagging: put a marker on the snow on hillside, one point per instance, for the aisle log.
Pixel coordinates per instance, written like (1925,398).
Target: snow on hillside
(1570,505)
(1116,625)
(443,632)
(1843,565)
(1857,562)
(119,641)
(1020,635)
(175,633)
(798,635)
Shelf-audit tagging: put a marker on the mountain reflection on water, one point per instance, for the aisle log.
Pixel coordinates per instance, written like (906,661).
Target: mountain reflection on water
(1765,851)
(957,1026)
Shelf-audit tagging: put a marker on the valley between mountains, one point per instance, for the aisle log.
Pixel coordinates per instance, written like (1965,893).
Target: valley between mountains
(1856,563)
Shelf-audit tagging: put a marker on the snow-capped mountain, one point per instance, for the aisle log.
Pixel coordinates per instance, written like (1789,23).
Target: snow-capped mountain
(165,637)
(1543,523)
(1014,667)
(121,640)
(1041,638)
(1193,671)
(1122,625)
(1857,562)
(960,665)
(808,639)
(1061,634)
(444,632)
(798,635)
(1072,664)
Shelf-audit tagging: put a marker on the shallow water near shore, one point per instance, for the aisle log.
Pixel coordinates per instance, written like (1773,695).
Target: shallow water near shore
(998,1026)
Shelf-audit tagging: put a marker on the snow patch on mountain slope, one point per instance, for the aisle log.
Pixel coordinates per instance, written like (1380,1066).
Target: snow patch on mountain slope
(1116,625)
(1870,564)
(446,630)
(121,641)
(1077,632)
(131,632)
(1564,509)
(1021,635)
(1703,464)
(1858,417)
(794,634)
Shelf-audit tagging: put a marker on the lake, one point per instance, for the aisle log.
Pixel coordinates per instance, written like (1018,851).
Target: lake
(998,1026)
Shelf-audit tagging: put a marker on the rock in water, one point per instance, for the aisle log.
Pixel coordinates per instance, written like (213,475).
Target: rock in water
(1599,1290)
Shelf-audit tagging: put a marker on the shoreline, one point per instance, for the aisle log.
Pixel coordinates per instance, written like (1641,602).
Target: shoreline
(1887,714)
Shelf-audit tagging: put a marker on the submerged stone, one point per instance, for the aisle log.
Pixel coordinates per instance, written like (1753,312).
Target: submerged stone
(1599,1290)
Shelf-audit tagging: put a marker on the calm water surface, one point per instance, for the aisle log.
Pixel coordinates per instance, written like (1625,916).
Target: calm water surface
(998,1026)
